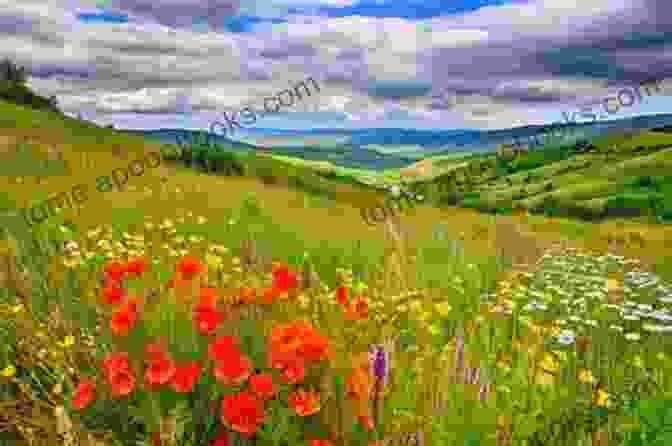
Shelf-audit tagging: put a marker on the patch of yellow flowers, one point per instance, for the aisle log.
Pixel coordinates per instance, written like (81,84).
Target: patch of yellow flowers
(8,371)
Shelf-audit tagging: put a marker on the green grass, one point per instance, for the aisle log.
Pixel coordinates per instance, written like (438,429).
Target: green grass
(582,185)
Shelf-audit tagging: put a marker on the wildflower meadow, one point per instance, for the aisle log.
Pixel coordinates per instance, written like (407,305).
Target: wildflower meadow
(158,336)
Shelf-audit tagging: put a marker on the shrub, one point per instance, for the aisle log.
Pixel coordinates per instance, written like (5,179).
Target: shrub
(585,212)
(473,203)
(663,209)
(645,181)
(627,205)
(503,211)
(450,199)
(225,163)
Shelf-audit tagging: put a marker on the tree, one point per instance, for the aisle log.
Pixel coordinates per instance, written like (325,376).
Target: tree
(12,73)
(53,103)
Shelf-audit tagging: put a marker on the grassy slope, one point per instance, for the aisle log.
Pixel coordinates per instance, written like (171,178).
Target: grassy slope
(583,184)
(327,225)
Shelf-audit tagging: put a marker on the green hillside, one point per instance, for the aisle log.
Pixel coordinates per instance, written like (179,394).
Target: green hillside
(624,176)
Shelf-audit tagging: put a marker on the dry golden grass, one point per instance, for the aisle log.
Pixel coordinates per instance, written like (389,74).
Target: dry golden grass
(521,237)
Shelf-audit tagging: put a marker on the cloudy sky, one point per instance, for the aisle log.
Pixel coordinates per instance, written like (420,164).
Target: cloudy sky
(450,64)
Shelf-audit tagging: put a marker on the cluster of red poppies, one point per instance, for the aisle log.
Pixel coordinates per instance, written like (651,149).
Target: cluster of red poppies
(291,347)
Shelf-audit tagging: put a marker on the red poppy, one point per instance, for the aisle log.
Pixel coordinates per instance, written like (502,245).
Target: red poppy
(320,443)
(186,377)
(280,361)
(304,403)
(294,372)
(243,412)
(136,302)
(223,439)
(115,271)
(223,347)
(248,295)
(136,266)
(357,309)
(207,319)
(113,295)
(209,296)
(190,266)
(124,318)
(160,366)
(342,295)
(284,279)
(119,374)
(315,347)
(84,394)
(262,385)
(299,339)
(122,382)
(367,422)
(270,295)
(157,350)
(115,362)
(235,370)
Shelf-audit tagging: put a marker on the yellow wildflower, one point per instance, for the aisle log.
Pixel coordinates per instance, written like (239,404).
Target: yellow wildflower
(613,285)
(18,308)
(550,363)
(586,376)
(214,262)
(601,398)
(443,308)
(561,355)
(8,371)
(504,363)
(68,342)
(423,316)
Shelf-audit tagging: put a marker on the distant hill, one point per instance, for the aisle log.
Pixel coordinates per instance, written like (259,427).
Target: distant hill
(407,146)
(344,155)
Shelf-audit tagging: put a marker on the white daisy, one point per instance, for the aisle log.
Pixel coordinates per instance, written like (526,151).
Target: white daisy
(661,316)
(632,336)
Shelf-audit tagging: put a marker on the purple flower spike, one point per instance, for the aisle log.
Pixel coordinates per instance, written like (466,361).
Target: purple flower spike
(419,439)
(378,361)
(483,394)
